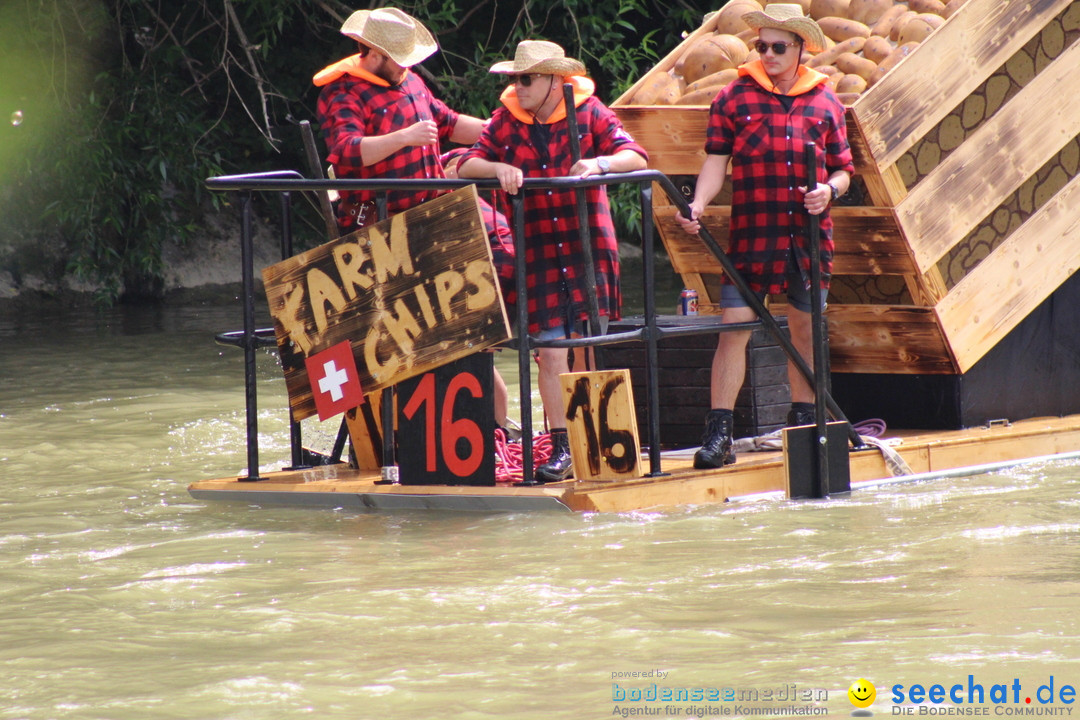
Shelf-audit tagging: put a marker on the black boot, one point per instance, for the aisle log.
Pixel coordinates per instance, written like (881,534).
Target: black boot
(801,414)
(716,450)
(559,466)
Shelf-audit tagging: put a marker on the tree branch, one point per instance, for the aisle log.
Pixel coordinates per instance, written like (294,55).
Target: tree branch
(259,82)
(188,60)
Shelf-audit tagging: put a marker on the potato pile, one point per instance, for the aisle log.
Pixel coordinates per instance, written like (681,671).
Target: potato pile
(865,39)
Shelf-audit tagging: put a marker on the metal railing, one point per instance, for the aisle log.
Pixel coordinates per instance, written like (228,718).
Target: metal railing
(288,182)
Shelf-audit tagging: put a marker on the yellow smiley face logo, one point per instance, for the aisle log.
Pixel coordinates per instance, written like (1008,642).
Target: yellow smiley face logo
(862,693)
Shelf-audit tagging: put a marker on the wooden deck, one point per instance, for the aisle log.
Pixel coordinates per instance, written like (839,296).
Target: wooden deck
(337,486)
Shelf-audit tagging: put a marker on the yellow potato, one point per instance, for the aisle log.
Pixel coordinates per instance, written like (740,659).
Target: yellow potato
(927,6)
(670,96)
(703,96)
(884,24)
(919,28)
(720,78)
(876,48)
(829,8)
(828,57)
(841,29)
(729,19)
(869,12)
(710,55)
(851,83)
(852,64)
(899,23)
(655,86)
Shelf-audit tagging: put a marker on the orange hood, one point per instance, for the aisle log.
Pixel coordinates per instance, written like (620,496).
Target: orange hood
(583,90)
(348,66)
(808,77)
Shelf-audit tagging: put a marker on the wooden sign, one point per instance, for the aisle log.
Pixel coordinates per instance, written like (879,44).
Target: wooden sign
(601,424)
(409,293)
(365,432)
(446,424)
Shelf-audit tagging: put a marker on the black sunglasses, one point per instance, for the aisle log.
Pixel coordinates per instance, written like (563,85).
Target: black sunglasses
(527,79)
(778,48)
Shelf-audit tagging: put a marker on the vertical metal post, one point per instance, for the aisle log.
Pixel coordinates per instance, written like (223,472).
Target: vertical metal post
(820,484)
(247,254)
(652,362)
(389,464)
(517,212)
(296,443)
(584,232)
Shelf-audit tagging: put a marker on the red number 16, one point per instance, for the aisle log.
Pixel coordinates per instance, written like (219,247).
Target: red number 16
(452,430)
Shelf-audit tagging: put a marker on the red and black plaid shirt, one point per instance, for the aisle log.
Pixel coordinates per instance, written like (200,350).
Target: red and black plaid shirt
(766,143)
(351,108)
(555,278)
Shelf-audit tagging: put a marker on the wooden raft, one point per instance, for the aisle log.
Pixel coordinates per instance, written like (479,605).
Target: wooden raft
(338,486)
(966,200)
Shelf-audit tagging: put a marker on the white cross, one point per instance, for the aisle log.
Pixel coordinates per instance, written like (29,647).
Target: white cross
(332,380)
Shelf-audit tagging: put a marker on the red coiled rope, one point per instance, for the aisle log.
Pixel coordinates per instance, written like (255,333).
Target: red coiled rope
(508,456)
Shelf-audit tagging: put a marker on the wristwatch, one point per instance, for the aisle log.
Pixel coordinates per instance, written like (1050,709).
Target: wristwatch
(835,190)
(604,164)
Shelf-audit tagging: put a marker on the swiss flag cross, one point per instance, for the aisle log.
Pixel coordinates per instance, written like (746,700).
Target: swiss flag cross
(334,380)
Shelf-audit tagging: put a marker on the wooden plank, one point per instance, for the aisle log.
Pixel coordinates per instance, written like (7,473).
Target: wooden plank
(916,94)
(1000,156)
(887,339)
(998,445)
(1018,276)
(861,157)
(926,289)
(674,137)
(365,432)
(886,188)
(409,293)
(601,424)
(764,472)
(868,241)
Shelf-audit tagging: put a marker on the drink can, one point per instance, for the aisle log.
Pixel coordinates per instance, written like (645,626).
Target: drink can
(688,302)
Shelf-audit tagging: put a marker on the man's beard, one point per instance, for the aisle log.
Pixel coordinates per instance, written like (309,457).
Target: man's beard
(386,73)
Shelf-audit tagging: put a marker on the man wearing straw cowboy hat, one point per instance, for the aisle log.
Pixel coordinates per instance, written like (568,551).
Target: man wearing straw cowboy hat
(760,124)
(380,120)
(528,137)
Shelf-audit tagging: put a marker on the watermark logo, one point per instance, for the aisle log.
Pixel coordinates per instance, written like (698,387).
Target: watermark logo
(862,695)
(973,698)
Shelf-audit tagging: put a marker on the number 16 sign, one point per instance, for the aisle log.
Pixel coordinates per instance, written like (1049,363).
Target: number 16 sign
(446,424)
(601,424)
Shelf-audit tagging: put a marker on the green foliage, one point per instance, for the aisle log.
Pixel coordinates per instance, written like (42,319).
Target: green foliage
(128,105)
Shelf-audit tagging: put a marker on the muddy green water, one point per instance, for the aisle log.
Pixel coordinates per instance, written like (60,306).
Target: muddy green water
(121,597)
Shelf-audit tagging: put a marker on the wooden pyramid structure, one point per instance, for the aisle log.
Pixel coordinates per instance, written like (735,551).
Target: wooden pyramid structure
(967,159)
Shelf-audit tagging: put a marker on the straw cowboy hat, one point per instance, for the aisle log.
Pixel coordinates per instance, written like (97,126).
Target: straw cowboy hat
(393,33)
(540,56)
(789,17)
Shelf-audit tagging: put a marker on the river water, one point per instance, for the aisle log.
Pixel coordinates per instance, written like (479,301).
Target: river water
(122,597)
